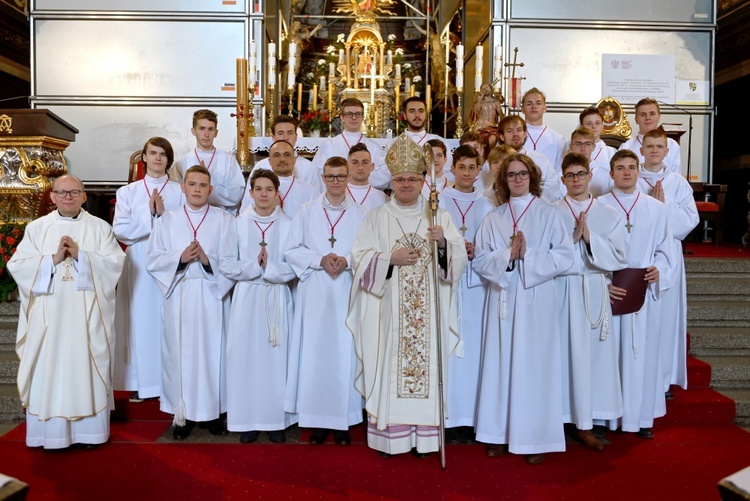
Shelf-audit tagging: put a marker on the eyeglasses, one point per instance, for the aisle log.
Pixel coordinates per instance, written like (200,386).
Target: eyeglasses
(404,180)
(335,177)
(353,114)
(579,144)
(65,193)
(523,175)
(572,175)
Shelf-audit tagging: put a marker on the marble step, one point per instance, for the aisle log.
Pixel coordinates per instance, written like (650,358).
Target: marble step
(10,404)
(718,313)
(719,341)
(9,311)
(8,367)
(742,405)
(718,289)
(708,267)
(729,372)
(8,335)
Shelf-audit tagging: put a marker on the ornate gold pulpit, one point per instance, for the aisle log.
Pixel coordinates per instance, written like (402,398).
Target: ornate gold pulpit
(32,143)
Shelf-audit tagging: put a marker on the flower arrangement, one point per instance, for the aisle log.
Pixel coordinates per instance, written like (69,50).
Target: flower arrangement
(10,234)
(315,120)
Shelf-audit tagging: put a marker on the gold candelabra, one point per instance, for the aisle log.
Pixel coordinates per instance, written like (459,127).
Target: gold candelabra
(459,115)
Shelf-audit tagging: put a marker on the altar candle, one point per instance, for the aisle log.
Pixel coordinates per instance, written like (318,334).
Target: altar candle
(428,98)
(389,59)
(315,97)
(398,71)
(322,84)
(407,84)
(459,57)
(397,103)
(459,80)
(299,98)
(272,68)
(372,86)
(479,63)
(252,65)
(330,97)
(341,56)
(291,66)
(331,70)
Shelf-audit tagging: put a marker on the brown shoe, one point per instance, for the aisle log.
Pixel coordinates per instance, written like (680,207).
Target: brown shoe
(535,458)
(495,450)
(590,440)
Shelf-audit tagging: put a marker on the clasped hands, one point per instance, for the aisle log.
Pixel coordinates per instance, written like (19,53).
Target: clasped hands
(156,203)
(67,248)
(333,264)
(193,252)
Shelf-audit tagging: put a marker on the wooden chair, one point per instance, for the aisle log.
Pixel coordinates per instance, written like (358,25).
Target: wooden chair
(709,199)
(136,172)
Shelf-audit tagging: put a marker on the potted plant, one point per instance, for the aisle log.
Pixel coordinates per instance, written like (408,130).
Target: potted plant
(315,121)
(10,235)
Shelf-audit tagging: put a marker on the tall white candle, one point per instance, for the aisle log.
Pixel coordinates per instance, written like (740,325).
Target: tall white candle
(341,56)
(372,86)
(331,70)
(479,54)
(389,59)
(398,71)
(459,57)
(292,54)
(272,66)
(459,80)
(251,65)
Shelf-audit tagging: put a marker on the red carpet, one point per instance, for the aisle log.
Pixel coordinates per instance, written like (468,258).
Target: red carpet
(725,250)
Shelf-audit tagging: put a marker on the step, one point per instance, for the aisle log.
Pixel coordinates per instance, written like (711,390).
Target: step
(699,406)
(729,373)
(719,341)
(742,405)
(709,267)
(10,404)
(8,367)
(8,335)
(718,313)
(711,288)
(699,374)
(9,311)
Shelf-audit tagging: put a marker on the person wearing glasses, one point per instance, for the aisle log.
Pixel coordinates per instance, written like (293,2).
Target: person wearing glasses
(139,300)
(392,309)
(66,266)
(320,385)
(583,142)
(520,247)
(590,368)
(352,116)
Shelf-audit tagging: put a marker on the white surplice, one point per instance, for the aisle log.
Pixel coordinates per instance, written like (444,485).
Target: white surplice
(552,186)
(590,371)
(601,182)
(339,145)
(421,139)
(226,176)
(682,218)
(467,210)
(368,197)
(139,300)
(441,184)
(195,310)
(260,321)
(322,361)
(673,160)
(548,142)
(647,244)
(293,194)
(303,169)
(520,401)
(392,313)
(66,330)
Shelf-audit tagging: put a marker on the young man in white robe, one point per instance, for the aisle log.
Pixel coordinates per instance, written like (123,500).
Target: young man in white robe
(441,179)
(675,192)
(519,249)
(647,246)
(647,117)
(66,268)
(512,129)
(539,137)
(392,310)
(467,206)
(414,111)
(293,192)
(494,160)
(592,119)
(226,176)
(139,300)
(352,116)
(359,188)
(590,372)
(322,361)
(583,142)
(284,128)
(260,318)
(183,258)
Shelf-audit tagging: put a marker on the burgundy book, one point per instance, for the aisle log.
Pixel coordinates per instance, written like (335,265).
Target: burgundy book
(630,279)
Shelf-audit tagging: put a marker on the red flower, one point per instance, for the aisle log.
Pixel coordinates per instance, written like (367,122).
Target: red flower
(2,250)
(16,232)
(7,258)
(10,240)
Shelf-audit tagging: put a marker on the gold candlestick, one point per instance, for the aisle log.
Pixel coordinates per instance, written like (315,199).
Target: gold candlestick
(243,151)
(459,116)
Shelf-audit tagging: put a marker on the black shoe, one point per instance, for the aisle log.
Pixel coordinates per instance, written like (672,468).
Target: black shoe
(135,398)
(341,437)
(646,433)
(417,454)
(216,427)
(183,432)
(277,437)
(668,395)
(248,437)
(384,454)
(468,437)
(319,436)
(599,431)
(452,436)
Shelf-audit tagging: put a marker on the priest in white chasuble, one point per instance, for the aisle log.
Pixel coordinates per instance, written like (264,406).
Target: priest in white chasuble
(590,367)
(66,266)
(183,258)
(322,362)
(392,309)
(520,248)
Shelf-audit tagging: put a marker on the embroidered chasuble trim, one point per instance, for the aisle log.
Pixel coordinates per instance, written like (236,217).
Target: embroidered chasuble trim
(414,300)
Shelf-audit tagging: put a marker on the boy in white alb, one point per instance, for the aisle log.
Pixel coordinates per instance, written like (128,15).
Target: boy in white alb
(583,142)
(183,258)
(539,137)
(592,119)
(359,189)
(647,116)
(441,179)
(139,301)
(682,216)
(226,175)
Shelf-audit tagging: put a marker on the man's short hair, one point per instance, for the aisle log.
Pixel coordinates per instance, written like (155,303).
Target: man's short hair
(619,155)
(502,192)
(357,148)
(591,110)
(197,169)
(437,143)
(207,115)
(471,136)
(510,120)
(573,159)
(336,162)
(284,119)
(499,152)
(656,134)
(160,142)
(464,151)
(582,132)
(646,101)
(413,99)
(533,90)
(280,141)
(352,101)
(265,173)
